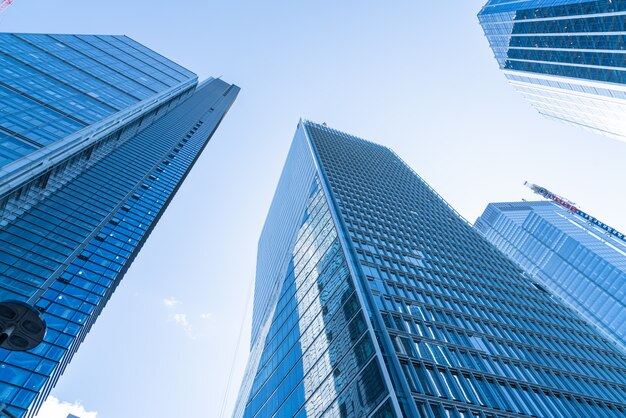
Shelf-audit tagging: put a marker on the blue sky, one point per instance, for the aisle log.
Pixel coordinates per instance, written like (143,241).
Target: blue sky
(416,76)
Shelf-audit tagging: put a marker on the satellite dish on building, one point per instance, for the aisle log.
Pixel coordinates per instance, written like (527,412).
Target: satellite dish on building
(21,326)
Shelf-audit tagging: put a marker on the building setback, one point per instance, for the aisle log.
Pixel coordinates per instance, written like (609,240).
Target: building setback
(96,135)
(574,259)
(374,298)
(566,57)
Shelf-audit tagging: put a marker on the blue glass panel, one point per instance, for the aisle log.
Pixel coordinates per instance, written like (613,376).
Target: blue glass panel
(463,332)
(66,250)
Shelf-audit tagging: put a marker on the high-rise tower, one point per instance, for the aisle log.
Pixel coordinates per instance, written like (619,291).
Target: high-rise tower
(96,135)
(566,57)
(576,260)
(374,298)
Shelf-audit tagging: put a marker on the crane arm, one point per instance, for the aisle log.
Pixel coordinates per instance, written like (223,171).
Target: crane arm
(572,208)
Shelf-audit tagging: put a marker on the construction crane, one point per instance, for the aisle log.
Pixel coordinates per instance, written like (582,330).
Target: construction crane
(4,4)
(573,209)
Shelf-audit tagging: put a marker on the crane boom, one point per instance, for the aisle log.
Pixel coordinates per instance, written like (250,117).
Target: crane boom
(572,208)
(4,4)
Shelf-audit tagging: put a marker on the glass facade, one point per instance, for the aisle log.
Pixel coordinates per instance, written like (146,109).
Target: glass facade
(574,259)
(448,326)
(567,57)
(68,233)
(54,85)
(315,353)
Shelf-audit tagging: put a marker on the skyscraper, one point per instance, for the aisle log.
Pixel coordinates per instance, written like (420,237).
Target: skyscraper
(574,259)
(96,135)
(566,57)
(374,298)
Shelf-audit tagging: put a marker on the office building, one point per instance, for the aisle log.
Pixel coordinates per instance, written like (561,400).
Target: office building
(96,135)
(571,257)
(566,57)
(374,298)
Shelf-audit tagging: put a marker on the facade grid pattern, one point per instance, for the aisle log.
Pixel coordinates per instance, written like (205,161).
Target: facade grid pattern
(68,236)
(54,85)
(566,57)
(464,324)
(462,331)
(318,357)
(575,260)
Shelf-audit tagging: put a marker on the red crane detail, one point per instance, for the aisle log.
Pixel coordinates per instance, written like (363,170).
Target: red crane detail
(572,208)
(4,4)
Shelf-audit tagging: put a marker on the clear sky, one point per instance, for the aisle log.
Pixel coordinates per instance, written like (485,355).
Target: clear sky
(417,76)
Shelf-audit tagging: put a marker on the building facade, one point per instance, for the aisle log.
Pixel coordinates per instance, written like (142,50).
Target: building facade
(96,135)
(576,260)
(374,298)
(566,57)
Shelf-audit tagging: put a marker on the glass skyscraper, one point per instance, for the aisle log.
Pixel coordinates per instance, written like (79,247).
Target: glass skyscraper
(566,57)
(96,135)
(574,259)
(374,298)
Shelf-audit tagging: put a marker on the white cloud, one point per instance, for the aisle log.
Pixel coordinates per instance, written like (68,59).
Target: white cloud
(181,319)
(170,302)
(194,325)
(54,408)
